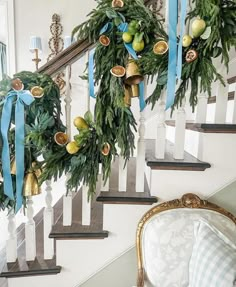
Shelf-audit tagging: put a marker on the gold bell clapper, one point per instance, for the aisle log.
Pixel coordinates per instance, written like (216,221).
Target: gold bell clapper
(128,95)
(31,185)
(133,76)
(135,91)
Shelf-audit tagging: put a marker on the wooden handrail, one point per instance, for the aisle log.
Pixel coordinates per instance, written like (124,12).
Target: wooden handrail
(69,55)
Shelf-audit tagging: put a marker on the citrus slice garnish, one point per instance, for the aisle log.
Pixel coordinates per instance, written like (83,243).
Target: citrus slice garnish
(61,138)
(106,149)
(37,92)
(17,84)
(160,48)
(117,4)
(191,56)
(104,40)
(118,71)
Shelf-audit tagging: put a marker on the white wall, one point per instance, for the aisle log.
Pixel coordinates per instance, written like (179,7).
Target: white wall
(34,18)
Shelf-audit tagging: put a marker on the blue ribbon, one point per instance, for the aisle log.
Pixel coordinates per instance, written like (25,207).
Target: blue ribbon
(91,74)
(182,25)
(124,28)
(173,21)
(21,97)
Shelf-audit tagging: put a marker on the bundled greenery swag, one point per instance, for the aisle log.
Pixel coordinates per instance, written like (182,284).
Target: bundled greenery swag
(42,121)
(211,35)
(114,124)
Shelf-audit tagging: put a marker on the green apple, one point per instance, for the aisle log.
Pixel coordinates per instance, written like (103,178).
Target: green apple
(187,41)
(198,27)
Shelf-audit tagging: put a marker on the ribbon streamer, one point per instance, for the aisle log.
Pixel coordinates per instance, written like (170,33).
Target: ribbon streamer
(182,26)
(91,74)
(21,97)
(173,21)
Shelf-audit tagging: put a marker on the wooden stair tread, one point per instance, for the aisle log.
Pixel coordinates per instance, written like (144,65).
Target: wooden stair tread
(189,163)
(207,127)
(130,196)
(39,266)
(77,230)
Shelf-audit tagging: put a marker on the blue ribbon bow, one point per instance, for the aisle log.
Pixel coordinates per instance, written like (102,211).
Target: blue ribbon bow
(21,97)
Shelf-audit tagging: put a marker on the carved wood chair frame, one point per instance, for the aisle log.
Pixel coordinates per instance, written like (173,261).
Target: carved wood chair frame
(188,200)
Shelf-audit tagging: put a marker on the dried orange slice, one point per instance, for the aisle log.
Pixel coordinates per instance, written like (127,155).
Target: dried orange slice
(160,48)
(117,4)
(191,56)
(106,149)
(17,84)
(104,40)
(37,92)
(61,138)
(118,71)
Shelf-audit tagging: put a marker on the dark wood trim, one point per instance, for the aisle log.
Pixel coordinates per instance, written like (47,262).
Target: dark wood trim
(208,128)
(35,268)
(189,163)
(232,80)
(131,197)
(212,100)
(79,235)
(77,230)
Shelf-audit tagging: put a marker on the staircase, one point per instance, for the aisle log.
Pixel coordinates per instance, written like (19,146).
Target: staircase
(180,156)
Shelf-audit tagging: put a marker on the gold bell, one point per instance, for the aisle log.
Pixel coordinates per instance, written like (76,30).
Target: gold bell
(37,171)
(13,166)
(133,76)
(31,185)
(135,91)
(128,95)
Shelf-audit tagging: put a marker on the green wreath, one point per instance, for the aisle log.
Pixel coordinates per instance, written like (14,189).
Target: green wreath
(42,122)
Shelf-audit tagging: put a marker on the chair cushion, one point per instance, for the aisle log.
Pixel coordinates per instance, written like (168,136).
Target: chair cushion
(213,260)
(167,243)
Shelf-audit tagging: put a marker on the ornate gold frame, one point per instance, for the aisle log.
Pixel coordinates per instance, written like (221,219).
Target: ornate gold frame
(188,200)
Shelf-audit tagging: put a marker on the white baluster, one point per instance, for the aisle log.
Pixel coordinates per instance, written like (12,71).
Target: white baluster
(67,205)
(180,132)
(234,113)
(11,246)
(161,128)
(87,86)
(68,101)
(48,222)
(221,104)
(105,186)
(86,207)
(122,175)
(67,198)
(140,160)
(30,238)
(202,108)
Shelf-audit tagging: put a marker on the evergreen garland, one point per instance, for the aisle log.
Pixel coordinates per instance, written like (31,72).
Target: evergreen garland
(198,75)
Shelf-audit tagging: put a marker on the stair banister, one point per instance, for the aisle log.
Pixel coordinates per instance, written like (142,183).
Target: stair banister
(67,198)
(48,221)
(11,246)
(141,147)
(221,98)
(122,175)
(201,115)
(86,204)
(180,131)
(30,235)
(234,112)
(161,128)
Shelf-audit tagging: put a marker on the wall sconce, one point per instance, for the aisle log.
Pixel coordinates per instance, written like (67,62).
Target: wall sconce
(36,47)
